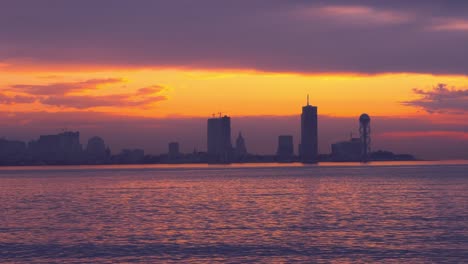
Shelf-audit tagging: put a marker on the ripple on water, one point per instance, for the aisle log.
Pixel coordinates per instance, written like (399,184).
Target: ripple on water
(329,214)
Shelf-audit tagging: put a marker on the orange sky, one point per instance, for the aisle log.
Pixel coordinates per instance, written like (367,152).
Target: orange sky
(236,93)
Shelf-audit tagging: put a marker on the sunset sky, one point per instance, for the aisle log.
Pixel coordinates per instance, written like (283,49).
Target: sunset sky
(143,73)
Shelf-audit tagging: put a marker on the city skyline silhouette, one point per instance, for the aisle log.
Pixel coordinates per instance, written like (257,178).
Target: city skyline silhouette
(65,148)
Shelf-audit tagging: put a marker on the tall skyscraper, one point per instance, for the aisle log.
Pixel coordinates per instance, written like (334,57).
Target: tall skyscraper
(309,133)
(364,131)
(285,147)
(219,139)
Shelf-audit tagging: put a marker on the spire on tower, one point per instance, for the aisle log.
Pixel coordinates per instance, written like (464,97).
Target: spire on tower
(307,99)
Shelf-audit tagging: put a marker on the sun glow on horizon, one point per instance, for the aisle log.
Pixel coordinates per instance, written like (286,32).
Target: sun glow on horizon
(237,93)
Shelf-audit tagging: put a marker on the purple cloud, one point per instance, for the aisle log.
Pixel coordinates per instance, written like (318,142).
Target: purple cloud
(16,99)
(63,88)
(450,25)
(288,36)
(86,101)
(355,15)
(150,90)
(64,95)
(441,99)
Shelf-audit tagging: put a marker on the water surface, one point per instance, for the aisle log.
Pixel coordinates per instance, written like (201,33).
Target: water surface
(381,212)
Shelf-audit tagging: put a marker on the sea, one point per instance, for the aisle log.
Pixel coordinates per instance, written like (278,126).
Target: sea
(383,212)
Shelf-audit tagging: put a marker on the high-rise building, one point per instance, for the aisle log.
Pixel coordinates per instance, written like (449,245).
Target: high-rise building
(285,149)
(219,139)
(64,148)
(12,152)
(309,133)
(241,149)
(347,150)
(364,131)
(96,151)
(173,150)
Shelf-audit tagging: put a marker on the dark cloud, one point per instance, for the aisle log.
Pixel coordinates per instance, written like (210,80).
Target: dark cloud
(441,99)
(150,90)
(16,99)
(271,35)
(65,95)
(87,101)
(63,88)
